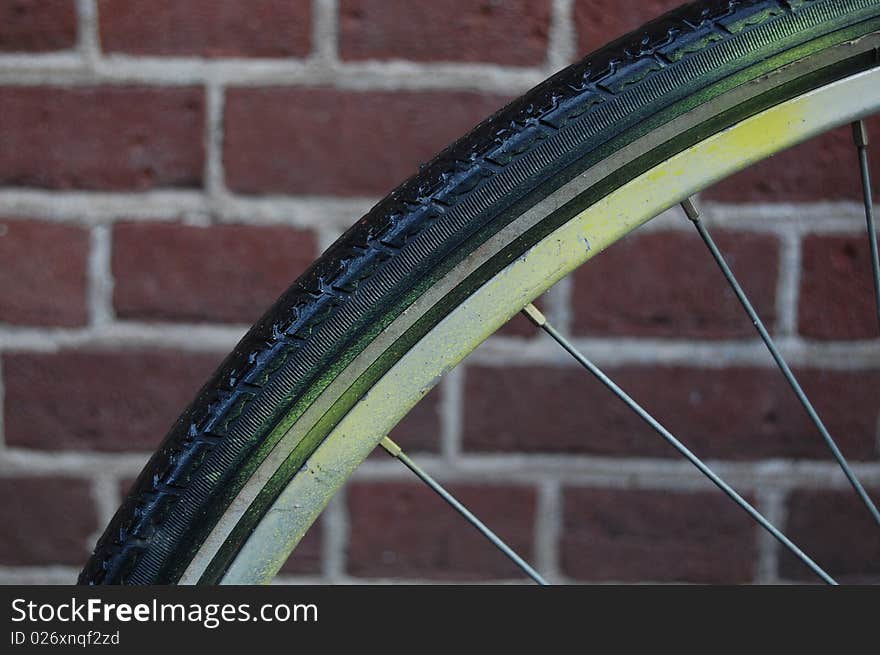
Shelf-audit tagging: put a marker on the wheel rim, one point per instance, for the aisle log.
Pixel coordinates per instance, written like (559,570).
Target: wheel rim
(622,211)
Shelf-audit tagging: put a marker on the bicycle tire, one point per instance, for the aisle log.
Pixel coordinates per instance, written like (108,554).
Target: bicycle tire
(577,119)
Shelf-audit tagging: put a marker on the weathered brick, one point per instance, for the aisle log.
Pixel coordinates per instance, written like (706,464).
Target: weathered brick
(227,273)
(307,556)
(599,21)
(43,274)
(46,520)
(208,28)
(824,168)
(105,138)
(37,25)
(630,535)
(837,294)
(519,325)
(98,400)
(836,530)
(420,429)
(729,413)
(513,32)
(666,284)
(326,141)
(402,530)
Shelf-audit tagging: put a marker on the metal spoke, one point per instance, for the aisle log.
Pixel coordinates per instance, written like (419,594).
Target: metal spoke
(694,215)
(540,320)
(397,452)
(860,136)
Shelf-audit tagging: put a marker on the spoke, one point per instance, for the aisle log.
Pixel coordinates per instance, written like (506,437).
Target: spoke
(860,136)
(397,452)
(540,320)
(694,216)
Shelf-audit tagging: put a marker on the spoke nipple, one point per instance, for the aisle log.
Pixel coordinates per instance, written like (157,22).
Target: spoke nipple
(860,134)
(535,315)
(690,210)
(391,448)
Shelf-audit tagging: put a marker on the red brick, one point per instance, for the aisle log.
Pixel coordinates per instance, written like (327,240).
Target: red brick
(37,25)
(657,536)
(600,21)
(306,558)
(668,285)
(837,294)
(731,413)
(98,400)
(45,521)
(325,141)
(208,28)
(401,530)
(836,530)
(519,325)
(43,276)
(512,32)
(420,429)
(105,138)
(228,273)
(824,168)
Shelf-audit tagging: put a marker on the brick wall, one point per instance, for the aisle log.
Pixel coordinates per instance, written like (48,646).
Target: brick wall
(136,138)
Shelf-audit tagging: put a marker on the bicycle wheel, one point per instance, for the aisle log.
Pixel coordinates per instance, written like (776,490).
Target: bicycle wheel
(447,258)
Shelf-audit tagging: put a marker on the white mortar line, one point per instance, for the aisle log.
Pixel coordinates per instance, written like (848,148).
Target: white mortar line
(399,75)
(98,208)
(214,172)
(20,462)
(326,235)
(197,220)
(779,219)
(38,575)
(626,472)
(94,208)
(100,277)
(548,528)
(558,306)
(562,45)
(325,32)
(88,37)
(837,217)
(771,503)
(503,351)
(106,498)
(334,540)
(304,211)
(68,70)
(788,288)
(190,71)
(451,413)
(125,335)
(34,66)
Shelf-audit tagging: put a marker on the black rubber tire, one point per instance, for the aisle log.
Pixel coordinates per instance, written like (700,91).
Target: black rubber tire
(417,233)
